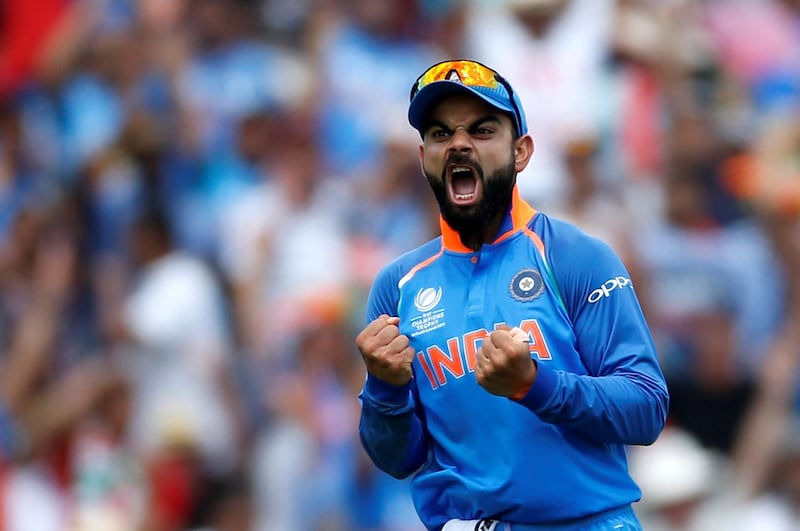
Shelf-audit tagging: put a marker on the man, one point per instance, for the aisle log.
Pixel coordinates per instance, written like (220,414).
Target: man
(508,361)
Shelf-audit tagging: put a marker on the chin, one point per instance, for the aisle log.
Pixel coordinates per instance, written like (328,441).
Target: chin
(463,220)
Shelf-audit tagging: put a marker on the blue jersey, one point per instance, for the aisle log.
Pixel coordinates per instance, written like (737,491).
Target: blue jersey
(559,452)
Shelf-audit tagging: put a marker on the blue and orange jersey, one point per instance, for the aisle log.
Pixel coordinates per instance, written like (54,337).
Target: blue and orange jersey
(559,452)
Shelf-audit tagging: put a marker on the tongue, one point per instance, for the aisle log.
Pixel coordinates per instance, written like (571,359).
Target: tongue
(463,185)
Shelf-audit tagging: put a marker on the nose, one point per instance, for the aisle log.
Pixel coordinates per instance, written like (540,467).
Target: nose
(461,140)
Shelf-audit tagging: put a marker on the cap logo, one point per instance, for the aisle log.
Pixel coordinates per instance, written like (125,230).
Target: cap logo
(452,75)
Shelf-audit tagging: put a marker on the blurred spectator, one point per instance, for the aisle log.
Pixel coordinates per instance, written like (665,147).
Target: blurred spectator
(367,58)
(109,487)
(553,53)
(765,172)
(52,377)
(762,490)
(306,490)
(700,276)
(232,73)
(678,477)
(18,178)
(175,318)
(596,207)
(284,245)
(395,211)
(309,463)
(768,62)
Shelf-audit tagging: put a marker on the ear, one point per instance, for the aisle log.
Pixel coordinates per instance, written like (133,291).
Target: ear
(421,153)
(523,150)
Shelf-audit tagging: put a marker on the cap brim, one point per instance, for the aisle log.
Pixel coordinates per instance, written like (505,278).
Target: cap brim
(425,99)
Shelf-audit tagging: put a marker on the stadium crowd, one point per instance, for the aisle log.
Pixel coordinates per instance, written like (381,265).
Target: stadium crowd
(196,194)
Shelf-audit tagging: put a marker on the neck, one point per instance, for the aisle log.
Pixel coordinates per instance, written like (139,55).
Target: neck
(475,239)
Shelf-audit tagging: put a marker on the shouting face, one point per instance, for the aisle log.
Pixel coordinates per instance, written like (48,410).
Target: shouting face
(471,158)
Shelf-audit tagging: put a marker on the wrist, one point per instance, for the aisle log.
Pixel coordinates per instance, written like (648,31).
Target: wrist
(521,393)
(525,387)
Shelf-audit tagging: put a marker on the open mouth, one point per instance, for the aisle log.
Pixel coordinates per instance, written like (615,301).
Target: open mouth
(464,185)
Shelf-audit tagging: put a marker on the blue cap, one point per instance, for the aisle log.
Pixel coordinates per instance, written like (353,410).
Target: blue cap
(463,76)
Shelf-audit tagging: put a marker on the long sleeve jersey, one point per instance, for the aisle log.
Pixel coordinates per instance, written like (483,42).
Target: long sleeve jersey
(559,452)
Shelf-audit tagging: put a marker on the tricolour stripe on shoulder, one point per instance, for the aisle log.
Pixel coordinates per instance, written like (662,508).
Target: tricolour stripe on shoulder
(408,276)
(539,244)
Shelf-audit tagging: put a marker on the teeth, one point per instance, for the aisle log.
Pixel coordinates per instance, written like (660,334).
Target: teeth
(460,169)
(464,196)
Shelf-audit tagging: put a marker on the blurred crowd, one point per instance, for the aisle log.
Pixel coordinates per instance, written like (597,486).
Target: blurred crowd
(196,194)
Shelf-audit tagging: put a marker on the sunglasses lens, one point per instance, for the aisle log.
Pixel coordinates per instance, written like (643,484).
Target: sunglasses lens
(479,78)
(467,72)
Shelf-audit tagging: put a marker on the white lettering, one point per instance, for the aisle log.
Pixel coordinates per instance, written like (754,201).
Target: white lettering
(607,287)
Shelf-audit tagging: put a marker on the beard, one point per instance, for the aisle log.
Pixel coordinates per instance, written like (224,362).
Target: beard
(497,189)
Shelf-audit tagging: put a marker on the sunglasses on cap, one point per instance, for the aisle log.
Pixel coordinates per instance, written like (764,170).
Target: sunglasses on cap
(448,76)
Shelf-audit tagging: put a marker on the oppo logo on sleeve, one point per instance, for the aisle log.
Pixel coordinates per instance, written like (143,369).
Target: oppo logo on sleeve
(608,287)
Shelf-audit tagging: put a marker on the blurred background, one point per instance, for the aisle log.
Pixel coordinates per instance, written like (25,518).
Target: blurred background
(196,194)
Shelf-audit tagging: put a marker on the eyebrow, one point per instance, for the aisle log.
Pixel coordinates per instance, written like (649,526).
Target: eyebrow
(480,121)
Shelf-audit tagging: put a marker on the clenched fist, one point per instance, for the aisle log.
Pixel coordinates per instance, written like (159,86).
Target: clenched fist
(503,364)
(386,351)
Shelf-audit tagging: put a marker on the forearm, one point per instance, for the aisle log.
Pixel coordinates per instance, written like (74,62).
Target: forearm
(621,409)
(391,432)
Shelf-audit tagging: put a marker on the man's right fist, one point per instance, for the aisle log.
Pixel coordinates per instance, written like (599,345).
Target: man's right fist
(386,351)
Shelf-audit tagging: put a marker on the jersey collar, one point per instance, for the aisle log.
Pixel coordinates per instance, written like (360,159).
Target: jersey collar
(515,220)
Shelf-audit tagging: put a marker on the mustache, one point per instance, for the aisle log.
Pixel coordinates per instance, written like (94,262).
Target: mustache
(462,160)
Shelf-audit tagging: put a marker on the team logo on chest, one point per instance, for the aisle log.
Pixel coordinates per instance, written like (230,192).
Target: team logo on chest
(526,285)
(427,299)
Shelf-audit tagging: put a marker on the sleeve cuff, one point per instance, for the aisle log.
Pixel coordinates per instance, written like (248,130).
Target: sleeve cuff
(383,392)
(542,389)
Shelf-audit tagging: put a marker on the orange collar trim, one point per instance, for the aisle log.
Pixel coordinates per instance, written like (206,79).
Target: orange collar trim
(516,219)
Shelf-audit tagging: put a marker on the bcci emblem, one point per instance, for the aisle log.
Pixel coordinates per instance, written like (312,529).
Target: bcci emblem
(526,285)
